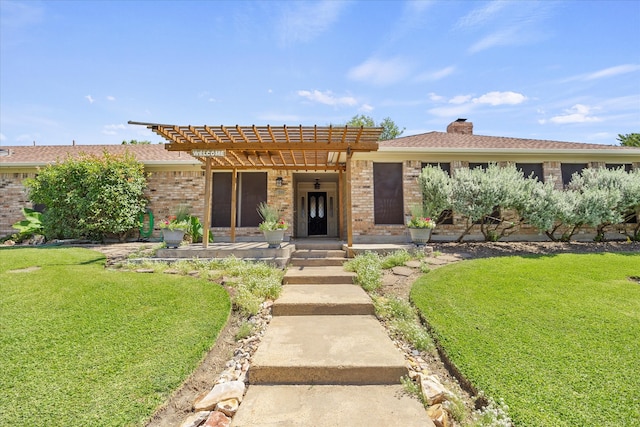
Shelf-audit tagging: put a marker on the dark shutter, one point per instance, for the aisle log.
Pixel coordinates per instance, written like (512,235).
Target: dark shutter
(529,169)
(253,191)
(221,200)
(568,169)
(387,193)
(444,166)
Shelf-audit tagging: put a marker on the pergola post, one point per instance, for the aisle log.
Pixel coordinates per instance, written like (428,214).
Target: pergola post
(207,203)
(341,204)
(234,191)
(348,202)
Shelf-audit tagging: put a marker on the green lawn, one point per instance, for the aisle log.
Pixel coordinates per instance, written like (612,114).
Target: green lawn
(81,345)
(557,337)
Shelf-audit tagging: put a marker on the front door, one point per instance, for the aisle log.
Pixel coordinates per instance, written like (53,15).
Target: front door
(317,219)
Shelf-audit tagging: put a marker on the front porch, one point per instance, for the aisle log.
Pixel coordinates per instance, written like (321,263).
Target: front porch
(260,251)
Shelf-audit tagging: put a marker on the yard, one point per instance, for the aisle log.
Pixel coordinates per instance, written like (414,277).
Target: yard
(81,345)
(557,337)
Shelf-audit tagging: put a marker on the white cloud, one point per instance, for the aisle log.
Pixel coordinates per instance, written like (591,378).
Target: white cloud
(456,111)
(2,137)
(303,22)
(504,37)
(112,129)
(613,71)
(111,98)
(380,72)
(436,75)
(435,97)
(90,99)
(481,15)
(579,113)
(366,108)
(460,99)
(500,98)
(327,98)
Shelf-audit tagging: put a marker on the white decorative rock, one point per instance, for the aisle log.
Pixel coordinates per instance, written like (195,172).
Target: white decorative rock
(223,391)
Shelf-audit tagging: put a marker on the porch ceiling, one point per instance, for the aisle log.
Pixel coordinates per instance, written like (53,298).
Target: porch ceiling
(269,147)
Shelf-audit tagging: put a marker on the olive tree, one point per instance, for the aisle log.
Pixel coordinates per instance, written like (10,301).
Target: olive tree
(90,196)
(491,198)
(435,186)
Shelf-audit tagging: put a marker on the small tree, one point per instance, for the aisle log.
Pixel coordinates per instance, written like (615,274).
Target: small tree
(90,196)
(491,198)
(629,140)
(435,186)
(389,129)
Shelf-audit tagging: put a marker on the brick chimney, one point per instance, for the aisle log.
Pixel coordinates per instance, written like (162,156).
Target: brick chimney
(461,126)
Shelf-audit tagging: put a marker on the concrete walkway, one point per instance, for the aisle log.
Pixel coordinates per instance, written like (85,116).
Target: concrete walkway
(325,360)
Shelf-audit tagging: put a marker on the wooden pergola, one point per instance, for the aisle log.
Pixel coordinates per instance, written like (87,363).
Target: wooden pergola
(304,148)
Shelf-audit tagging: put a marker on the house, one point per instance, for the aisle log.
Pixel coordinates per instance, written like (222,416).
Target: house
(334,182)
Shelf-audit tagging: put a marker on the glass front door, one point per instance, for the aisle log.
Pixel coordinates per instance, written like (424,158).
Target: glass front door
(317,213)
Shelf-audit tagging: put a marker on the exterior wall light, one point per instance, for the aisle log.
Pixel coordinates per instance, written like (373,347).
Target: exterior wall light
(279,181)
(317,184)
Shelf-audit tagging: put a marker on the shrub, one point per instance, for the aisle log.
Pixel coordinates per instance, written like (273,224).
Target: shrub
(491,198)
(435,186)
(90,196)
(395,259)
(367,269)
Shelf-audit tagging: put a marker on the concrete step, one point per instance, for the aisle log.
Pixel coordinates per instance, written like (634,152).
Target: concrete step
(315,253)
(318,244)
(329,405)
(317,275)
(326,350)
(317,262)
(308,300)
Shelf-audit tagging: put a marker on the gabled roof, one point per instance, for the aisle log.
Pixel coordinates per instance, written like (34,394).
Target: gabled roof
(456,141)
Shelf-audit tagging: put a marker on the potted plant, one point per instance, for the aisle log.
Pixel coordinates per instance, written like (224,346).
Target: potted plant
(420,226)
(272,226)
(175,227)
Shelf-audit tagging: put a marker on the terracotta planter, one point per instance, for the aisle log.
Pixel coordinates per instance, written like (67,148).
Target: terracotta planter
(420,236)
(274,237)
(172,238)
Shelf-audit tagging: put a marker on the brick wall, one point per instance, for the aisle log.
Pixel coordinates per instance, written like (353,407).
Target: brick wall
(13,197)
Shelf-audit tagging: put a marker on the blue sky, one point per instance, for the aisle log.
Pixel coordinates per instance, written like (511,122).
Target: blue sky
(79,70)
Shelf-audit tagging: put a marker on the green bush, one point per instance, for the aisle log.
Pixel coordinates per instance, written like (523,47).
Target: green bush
(367,269)
(90,196)
(395,259)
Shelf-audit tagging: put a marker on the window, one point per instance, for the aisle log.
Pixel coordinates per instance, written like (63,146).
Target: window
(252,190)
(482,166)
(444,166)
(568,169)
(387,193)
(628,167)
(531,169)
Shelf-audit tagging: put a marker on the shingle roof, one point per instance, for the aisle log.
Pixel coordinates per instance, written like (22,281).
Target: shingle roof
(45,154)
(465,141)
(437,141)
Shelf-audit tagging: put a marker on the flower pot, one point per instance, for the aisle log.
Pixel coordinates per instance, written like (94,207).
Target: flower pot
(274,237)
(420,236)
(172,238)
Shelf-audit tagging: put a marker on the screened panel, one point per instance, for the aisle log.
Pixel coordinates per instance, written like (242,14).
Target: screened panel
(252,192)
(531,169)
(221,200)
(444,166)
(387,193)
(568,169)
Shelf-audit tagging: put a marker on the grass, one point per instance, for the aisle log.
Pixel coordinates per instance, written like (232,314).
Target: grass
(556,337)
(81,345)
